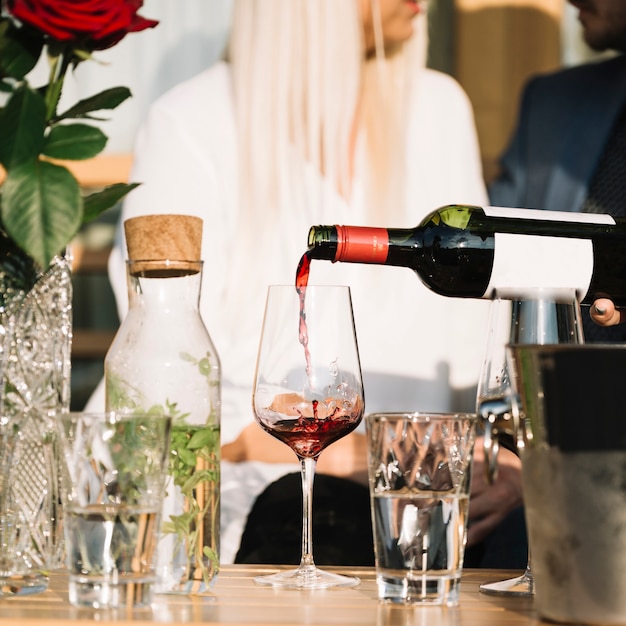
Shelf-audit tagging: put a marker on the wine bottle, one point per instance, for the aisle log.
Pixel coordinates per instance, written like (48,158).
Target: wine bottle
(472,252)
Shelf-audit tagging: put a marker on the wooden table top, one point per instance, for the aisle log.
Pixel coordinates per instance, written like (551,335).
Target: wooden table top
(237,600)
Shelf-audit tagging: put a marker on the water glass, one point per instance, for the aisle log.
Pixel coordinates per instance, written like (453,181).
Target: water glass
(113,474)
(419,478)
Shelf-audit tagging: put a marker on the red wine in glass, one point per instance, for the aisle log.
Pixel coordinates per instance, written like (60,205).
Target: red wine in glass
(306,435)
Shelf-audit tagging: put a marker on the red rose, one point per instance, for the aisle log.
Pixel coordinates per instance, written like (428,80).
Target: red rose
(94,24)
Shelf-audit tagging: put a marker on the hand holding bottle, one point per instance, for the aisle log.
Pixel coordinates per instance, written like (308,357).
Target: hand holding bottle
(604,313)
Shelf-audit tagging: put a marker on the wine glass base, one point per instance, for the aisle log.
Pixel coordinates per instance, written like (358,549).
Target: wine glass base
(521,586)
(22,584)
(306,578)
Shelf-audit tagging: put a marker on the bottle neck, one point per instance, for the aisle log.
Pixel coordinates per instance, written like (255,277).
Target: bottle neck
(360,244)
(322,243)
(159,288)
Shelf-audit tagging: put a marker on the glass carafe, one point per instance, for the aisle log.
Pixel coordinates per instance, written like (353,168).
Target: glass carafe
(163,360)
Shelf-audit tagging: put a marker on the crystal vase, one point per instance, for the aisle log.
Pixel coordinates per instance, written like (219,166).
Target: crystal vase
(35,346)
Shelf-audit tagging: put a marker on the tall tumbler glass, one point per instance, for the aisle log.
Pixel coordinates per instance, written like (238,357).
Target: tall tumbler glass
(419,477)
(113,470)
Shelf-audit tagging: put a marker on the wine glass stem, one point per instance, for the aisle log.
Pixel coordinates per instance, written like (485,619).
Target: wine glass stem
(307,466)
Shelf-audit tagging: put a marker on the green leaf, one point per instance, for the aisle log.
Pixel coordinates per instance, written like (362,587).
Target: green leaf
(168,528)
(22,127)
(19,49)
(194,480)
(98,202)
(107,99)
(201,438)
(74,141)
(210,554)
(204,366)
(41,208)
(187,457)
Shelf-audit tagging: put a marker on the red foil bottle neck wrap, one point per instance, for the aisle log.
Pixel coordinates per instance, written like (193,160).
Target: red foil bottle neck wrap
(361,244)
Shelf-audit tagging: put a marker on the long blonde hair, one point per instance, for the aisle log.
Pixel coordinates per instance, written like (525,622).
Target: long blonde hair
(299,78)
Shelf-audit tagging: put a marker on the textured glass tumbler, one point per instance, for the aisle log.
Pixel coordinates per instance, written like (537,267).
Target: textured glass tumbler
(113,471)
(419,478)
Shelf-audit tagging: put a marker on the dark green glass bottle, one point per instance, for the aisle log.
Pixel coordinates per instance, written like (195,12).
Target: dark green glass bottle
(472,252)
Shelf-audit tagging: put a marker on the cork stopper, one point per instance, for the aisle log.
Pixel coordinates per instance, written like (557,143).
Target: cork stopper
(164,237)
(164,245)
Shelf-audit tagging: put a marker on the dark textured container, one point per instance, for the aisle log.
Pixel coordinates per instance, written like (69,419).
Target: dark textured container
(572,423)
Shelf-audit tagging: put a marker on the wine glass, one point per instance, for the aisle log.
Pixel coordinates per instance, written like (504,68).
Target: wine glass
(545,317)
(308,393)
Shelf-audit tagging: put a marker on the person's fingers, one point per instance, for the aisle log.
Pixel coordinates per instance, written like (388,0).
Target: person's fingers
(480,529)
(604,313)
(491,503)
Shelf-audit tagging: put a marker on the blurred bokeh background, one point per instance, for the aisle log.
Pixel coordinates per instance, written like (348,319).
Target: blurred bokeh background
(490,46)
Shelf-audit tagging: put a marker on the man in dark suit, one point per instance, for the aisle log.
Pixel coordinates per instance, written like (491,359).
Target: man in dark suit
(568,152)
(569,149)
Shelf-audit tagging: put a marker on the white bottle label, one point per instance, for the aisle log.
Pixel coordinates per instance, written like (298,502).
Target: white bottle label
(556,216)
(524,264)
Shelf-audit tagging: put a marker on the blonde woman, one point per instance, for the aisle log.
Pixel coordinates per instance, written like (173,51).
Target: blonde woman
(324,112)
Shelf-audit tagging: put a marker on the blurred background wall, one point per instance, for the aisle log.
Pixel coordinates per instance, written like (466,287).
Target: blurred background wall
(490,46)
(190,36)
(497,45)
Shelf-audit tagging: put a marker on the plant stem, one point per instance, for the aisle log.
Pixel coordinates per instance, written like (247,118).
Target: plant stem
(58,68)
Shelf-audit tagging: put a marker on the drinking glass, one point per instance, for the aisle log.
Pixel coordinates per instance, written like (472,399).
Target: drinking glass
(113,470)
(308,393)
(419,467)
(546,317)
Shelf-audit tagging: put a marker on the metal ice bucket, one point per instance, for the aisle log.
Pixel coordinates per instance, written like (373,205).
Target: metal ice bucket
(571,421)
